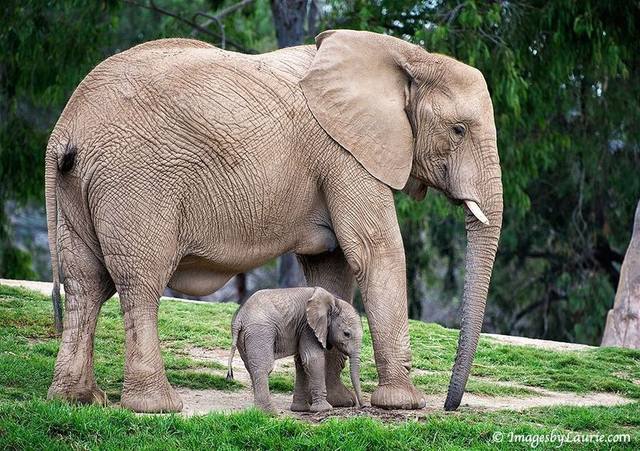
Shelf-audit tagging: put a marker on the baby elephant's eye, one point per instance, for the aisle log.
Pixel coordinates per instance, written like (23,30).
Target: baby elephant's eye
(347,334)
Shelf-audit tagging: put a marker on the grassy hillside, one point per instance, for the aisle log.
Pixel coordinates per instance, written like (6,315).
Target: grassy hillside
(28,347)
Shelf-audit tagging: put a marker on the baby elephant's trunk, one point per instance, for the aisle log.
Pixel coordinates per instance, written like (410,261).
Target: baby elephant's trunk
(354,366)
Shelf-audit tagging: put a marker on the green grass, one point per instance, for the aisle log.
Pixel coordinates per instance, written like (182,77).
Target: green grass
(280,383)
(28,347)
(593,370)
(52,425)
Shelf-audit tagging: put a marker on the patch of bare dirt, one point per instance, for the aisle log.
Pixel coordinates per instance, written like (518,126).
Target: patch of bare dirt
(240,373)
(198,402)
(542,398)
(537,343)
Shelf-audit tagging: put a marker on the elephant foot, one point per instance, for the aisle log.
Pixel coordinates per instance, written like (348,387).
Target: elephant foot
(80,395)
(150,400)
(299,406)
(404,396)
(267,407)
(340,396)
(320,406)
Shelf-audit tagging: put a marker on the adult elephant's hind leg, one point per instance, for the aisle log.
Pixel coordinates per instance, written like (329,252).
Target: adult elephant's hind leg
(140,278)
(332,272)
(87,285)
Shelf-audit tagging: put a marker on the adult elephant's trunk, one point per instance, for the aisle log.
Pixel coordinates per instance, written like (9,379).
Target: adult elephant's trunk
(482,243)
(354,366)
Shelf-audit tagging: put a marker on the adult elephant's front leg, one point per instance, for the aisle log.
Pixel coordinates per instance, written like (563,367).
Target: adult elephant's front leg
(332,272)
(367,229)
(383,283)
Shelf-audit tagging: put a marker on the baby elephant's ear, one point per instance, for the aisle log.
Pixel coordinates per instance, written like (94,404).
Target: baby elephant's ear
(318,308)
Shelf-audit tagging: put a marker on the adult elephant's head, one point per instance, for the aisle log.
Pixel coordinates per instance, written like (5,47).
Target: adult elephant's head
(415,119)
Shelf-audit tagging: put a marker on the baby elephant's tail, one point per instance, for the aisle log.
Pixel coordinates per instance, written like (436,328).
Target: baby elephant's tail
(235,330)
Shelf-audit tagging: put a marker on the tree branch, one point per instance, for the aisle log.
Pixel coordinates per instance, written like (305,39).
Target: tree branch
(198,28)
(232,8)
(552,296)
(217,18)
(223,37)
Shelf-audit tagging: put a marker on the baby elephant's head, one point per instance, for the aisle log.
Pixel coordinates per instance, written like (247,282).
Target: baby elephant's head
(337,324)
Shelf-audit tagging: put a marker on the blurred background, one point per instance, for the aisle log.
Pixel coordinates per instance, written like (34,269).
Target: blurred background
(564,81)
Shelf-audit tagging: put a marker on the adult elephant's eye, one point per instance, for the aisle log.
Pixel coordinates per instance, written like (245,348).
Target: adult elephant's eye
(347,334)
(459,130)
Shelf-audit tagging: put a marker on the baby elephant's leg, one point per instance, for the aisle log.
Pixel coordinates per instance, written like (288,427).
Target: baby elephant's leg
(313,361)
(301,398)
(258,359)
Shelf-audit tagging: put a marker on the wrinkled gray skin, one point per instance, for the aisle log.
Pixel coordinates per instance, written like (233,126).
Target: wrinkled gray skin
(178,163)
(304,322)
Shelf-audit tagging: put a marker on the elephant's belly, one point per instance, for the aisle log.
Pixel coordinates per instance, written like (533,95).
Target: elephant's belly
(316,240)
(285,346)
(197,277)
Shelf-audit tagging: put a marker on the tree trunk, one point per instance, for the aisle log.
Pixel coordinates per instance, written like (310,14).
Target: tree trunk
(288,19)
(312,18)
(289,272)
(623,320)
(241,287)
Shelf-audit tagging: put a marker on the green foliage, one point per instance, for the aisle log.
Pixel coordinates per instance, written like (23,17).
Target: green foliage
(564,83)
(15,263)
(48,47)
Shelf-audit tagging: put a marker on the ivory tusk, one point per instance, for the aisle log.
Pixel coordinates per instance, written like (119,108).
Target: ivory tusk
(475,209)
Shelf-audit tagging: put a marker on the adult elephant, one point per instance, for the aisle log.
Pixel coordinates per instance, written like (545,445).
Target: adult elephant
(179,163)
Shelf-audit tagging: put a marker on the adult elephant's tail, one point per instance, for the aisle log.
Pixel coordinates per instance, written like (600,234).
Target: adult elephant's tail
(52,168)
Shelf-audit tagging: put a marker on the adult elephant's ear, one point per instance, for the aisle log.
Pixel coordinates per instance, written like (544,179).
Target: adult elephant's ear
(319,308)
(356,89)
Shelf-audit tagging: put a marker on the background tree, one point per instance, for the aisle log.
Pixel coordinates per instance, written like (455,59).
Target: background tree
(45,49)
(623,320)
(564,82)
(289,21)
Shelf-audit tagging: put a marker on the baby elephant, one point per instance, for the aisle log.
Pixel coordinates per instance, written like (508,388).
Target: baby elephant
(304,322)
